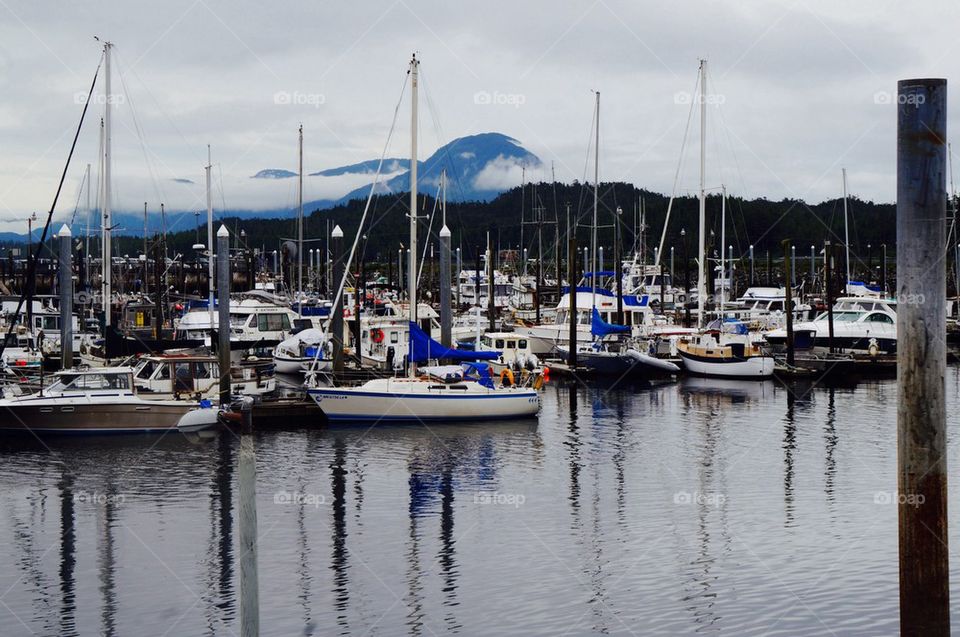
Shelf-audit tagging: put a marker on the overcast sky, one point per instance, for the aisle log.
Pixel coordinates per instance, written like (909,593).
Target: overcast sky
(799,90)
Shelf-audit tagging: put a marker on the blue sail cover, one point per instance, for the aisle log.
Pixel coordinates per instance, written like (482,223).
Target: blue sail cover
(600,328)
(424,348)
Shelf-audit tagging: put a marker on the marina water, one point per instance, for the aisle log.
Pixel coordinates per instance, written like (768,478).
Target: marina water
(704,506)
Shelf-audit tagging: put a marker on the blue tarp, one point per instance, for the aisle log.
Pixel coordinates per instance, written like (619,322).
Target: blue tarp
(600,328)
(479,371)
(424,348)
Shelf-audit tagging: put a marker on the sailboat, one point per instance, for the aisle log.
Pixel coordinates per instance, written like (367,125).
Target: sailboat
(726,348)
(598,356)
(429,394)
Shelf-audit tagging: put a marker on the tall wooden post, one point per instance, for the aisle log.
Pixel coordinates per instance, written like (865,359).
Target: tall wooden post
(922,356)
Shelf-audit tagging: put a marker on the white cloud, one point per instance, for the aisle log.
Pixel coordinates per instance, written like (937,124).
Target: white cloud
(499,174)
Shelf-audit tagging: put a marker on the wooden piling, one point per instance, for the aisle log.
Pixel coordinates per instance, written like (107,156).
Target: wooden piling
(788,304)
(921,357)
(572,278)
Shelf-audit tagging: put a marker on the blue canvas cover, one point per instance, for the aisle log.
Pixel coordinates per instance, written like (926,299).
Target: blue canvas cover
(600,328)
(424,348)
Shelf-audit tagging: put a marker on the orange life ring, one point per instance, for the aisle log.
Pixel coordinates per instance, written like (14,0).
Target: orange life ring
(376,335)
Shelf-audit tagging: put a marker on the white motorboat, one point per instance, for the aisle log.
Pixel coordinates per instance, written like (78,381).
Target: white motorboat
(296,354)
(100,400)
(861,325)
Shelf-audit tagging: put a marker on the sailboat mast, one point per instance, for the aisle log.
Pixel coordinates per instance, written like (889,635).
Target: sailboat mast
(723,243)
(846,229)
(107,274)
(210,248)
(86,249)
(701,277)
(596,202)
(412,265)
(300,224)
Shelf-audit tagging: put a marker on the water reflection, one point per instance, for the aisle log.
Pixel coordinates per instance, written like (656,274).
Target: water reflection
(400,543)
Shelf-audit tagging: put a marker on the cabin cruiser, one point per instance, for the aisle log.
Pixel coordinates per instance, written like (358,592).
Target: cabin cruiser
(762,308)
(173,376)
(467,288)
(40,330)
(96,401)
(640,279)
(253,324)
(862,325)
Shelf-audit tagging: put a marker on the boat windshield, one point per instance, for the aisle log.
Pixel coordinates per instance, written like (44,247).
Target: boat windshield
(90,382)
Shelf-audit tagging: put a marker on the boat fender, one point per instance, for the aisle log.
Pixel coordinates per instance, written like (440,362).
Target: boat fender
(873,348)
(506,377)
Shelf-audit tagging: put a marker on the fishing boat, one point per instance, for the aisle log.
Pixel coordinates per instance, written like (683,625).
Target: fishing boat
(176,376)
(426,395)
(95,401)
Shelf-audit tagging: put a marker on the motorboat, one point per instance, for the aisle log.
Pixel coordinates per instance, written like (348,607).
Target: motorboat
(94,401)
(861,325)
(193,376)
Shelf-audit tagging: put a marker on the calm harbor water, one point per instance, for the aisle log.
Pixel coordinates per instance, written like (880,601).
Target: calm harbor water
(703,506)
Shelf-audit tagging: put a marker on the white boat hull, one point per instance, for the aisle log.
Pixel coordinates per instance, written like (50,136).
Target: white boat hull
(750,367)
(396,400)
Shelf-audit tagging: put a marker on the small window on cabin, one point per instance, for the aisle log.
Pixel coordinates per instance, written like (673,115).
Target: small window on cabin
(394,337)
(500,344)
(522,344)
(511,345)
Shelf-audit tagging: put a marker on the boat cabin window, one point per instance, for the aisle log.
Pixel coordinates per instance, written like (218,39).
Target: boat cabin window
(87,382)
(776,306)
(522,343)
(50,323)
(273,322)
(511,344)
(499,344)
(146,369)
(880,318)
(394,337)
(238,320)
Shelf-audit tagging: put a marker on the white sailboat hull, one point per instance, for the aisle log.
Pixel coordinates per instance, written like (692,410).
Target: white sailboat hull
(407,400)
(751,367)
